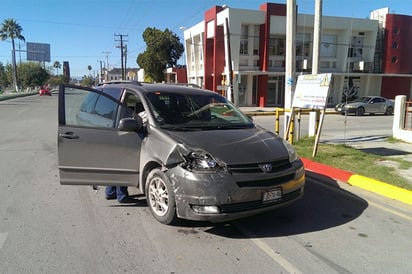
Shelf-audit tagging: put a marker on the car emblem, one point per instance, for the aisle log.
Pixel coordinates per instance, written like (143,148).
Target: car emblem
(266,168)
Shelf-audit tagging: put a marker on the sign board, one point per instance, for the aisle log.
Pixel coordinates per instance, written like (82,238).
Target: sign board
(221,87)
(38,52)
(312,91)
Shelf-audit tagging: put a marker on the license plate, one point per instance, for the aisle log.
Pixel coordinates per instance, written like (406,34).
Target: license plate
(272,195)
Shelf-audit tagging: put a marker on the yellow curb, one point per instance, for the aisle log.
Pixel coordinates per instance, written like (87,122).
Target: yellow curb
(381,188)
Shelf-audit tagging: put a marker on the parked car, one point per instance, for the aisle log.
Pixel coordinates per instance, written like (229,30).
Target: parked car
(191,152)
(44,91)
(367,104)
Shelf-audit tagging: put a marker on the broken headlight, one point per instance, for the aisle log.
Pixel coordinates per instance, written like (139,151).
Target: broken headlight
(201,161)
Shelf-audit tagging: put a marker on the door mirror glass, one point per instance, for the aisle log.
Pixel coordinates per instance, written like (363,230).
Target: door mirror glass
(131,124)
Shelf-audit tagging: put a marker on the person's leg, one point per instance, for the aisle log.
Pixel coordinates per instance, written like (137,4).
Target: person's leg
(110,192)
(121,193)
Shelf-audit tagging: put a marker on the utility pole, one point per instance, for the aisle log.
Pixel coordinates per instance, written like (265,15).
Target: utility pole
(317,32)
(290,66)
(122,39)
(229,64)
(107,58)
(101,71)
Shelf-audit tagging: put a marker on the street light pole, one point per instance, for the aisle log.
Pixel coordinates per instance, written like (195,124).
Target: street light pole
(290,64)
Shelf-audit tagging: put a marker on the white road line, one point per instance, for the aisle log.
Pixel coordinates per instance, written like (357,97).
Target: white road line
(268,250)
(3,237)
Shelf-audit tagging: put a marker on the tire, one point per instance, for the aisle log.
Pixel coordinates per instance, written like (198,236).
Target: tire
(360,111)
(389,111)
(160,197)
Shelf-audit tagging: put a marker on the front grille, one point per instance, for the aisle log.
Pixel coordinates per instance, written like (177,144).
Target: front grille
(267,182)
(240,207)
(277,166)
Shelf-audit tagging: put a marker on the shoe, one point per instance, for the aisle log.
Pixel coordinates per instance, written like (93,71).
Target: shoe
(127,200)
(111,197)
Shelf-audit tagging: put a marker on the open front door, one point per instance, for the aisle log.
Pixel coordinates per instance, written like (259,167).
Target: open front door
(91,148)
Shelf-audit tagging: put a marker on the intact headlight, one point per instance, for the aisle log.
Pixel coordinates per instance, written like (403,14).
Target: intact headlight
(201,161)
(293,156)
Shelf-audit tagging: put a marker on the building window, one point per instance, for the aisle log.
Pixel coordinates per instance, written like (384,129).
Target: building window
(302,44)
(394,60)
(395,30)
(356,49)
(277,46)
(328,46)
(395,45)
(256,40)
(244,40)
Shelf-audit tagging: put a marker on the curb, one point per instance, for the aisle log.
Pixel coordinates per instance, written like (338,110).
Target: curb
(378,187)
(8,96)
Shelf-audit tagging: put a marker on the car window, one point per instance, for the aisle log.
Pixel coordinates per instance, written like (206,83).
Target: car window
(105,107)
(90,109)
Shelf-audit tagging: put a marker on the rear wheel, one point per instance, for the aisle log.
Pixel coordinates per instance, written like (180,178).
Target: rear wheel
(360,111)
(160,197)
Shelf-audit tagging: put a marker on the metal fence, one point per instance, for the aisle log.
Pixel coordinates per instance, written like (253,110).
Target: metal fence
(408,116)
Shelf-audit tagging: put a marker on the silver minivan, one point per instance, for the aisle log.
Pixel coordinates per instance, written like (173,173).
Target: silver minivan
(191,152)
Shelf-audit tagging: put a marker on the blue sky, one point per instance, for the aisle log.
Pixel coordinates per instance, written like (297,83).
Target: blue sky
(83,31)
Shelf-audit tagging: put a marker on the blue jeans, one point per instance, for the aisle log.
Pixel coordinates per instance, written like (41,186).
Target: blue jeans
(120,192)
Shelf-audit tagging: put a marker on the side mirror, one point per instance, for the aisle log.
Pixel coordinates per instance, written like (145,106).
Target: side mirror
(131,124)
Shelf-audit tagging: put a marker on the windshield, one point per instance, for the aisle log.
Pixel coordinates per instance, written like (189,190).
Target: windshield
(362,99)
(179,111)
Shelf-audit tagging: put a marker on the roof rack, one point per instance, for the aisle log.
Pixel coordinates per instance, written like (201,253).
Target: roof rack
(132,82)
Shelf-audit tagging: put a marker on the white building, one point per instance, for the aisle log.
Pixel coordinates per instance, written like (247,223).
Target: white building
(351,48)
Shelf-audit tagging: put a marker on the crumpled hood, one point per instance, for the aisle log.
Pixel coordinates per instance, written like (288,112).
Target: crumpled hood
(235,146)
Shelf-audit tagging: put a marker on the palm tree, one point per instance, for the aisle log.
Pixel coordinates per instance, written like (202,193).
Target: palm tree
(89,67)
(11,29)
(57,66)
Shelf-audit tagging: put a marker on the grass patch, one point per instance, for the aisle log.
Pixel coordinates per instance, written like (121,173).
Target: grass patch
(355,161)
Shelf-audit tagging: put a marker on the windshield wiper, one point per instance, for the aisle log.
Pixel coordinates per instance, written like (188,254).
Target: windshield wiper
(180,128)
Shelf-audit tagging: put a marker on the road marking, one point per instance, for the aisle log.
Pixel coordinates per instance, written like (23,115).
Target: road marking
(268,250)
(3,237)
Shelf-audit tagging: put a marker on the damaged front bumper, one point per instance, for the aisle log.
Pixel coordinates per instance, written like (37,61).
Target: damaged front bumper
(225,196)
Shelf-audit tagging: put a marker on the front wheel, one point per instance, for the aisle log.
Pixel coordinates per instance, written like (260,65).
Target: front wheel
(360,111)
(160,197)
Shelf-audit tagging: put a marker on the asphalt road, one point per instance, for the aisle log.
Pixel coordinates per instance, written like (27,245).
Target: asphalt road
(48,228)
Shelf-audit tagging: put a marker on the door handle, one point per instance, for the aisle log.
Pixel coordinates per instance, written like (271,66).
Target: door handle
(69,135)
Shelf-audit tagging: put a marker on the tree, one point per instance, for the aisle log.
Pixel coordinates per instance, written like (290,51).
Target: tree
(3,77)
(87,81)
(57,66)
(32,74)
(11,29)
(89,67)
(163,50)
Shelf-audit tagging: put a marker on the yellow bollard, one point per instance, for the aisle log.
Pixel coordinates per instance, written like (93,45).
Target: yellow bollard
(277,121)
(292,126)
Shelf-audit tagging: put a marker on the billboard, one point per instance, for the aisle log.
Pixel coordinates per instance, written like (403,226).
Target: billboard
(38,52)
(312,91)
